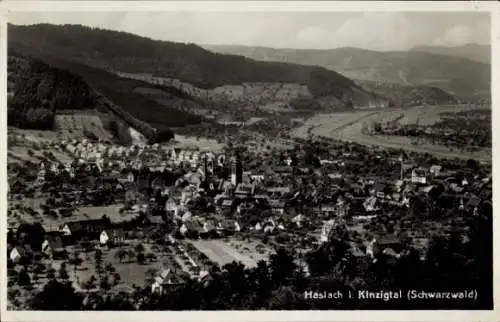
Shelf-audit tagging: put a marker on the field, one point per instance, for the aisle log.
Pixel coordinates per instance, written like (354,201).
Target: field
(183,141)
(49,223)
(71,126)
(20,154)
(348,126)
(223,252)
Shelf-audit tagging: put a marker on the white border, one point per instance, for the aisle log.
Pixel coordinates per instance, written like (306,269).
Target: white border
(256,6)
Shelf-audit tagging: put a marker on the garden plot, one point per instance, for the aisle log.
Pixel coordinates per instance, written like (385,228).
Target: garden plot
(71,126)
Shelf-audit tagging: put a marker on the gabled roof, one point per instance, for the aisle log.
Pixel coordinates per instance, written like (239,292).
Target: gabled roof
(78,226)
(115,233)
(474,201)
(23,250)
(388,240)
(193,225)
(54,242)
(209,225)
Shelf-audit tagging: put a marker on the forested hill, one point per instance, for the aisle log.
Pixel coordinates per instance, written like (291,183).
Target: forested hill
(37,91)
(459,76)
(407,95)
(124,52)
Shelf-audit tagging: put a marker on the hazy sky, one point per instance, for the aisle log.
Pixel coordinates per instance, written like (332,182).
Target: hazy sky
(318,30)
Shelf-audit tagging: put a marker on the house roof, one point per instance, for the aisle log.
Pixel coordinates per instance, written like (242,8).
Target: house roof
(228,224)
(435,168)
(279,189)
(155,220)
(115,233)
(227,203)
(379,186)
(23,250)
(55,242)
(327,207)
(388,240)
(77,226)
(276,203)
(244,188)
(426,189)
(193,225)
(209,225)
(474,201)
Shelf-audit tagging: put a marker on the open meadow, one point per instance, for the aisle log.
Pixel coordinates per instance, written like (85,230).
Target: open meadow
(203,144)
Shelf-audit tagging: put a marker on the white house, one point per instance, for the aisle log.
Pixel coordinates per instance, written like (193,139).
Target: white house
(419,175)
(160,280)
(112,237)
(18,252)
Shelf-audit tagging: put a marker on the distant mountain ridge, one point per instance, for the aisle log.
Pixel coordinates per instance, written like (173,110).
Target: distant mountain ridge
(471,51)
(459,76)
(188,63)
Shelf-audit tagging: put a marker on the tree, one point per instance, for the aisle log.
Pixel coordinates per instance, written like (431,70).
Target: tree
(63,274)
(98,256)
(282,266)
(51,273)
(110,268)
(76,260)
(104,284)
(139,248)
(90,283)
(24,278)
(141,258)
(284,298)
(116,278)
(120,254)
(150,257)
(57,296)
(472,164)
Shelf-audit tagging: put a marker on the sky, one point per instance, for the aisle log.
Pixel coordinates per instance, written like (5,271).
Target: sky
(383,31)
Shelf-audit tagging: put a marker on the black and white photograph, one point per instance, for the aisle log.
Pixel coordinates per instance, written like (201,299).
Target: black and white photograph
(248,159)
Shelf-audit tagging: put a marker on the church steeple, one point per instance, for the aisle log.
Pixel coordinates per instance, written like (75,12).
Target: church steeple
(236,170)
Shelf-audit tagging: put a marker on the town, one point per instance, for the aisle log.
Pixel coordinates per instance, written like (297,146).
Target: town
(118,219)
(249,161)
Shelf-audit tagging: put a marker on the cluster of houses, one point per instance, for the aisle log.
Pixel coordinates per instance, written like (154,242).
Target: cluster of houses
(141,155)
(250,191)
(218,195)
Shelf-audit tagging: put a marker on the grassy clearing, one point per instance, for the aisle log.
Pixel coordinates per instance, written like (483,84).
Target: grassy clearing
(201,143)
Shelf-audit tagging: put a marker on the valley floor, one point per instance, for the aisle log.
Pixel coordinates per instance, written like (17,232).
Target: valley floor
(348,126)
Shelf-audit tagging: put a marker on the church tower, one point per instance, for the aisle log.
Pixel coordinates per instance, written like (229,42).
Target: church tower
(236,170)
